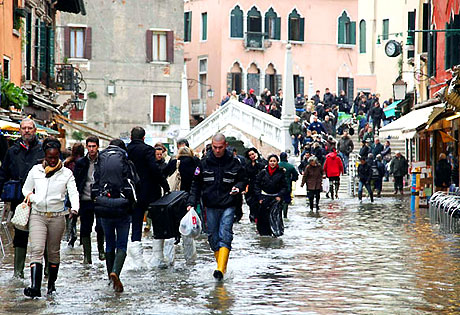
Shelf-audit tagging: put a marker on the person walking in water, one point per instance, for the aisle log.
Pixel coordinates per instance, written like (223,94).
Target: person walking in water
(313,177)
(218,178)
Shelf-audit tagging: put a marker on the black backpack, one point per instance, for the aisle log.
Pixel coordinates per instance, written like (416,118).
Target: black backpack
(375,171)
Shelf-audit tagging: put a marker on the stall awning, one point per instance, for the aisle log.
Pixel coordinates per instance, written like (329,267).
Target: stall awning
(71,6)
(405,126)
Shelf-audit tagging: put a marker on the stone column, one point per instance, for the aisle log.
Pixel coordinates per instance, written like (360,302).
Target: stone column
(184,106)
(288,109)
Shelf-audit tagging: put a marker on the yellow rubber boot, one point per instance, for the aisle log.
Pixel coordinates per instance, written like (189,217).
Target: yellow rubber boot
(221,263)
(216,255)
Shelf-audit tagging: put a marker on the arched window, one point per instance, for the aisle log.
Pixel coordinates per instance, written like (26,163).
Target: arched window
(272,79)
(346,30)
(254,35)
(296,27)
(362,37)
(272,25)
(236,22)
(234,78)
(253,78)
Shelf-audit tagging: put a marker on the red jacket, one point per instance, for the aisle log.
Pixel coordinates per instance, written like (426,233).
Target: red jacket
(333,166)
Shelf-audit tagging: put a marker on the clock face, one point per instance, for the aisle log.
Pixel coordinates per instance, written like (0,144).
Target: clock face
(392,48)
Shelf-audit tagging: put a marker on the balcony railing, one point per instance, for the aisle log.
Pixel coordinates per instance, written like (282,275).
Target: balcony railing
(198,107)
(66,79)
(254,40)
(43,77)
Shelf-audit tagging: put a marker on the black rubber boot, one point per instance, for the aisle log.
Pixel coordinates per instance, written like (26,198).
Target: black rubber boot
(331,190)
(285,209)
(120,257)
(100,245)
(86,242)
(36,271)
(109,261)
(53,270)
(73,231)
(19,261)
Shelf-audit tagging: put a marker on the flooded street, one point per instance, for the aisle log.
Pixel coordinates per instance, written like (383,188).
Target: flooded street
(354,258)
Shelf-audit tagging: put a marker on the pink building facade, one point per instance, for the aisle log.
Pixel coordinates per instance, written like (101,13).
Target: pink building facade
(234,45)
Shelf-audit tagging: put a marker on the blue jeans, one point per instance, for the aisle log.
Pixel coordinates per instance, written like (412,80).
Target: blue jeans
(116,232)
(87,218)
(220,227)
(137,222)
(346,159)
(295,144)
(368,187)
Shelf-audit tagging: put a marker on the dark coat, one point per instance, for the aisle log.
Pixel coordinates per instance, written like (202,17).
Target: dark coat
(328,99)
(313,177)
(273,185)
(378,148)
(377,113)
(346,145)
(214,180)
(251,173)
(398,166)
(364,173)
(187,169)
(19,160)
(80,173)
(151,179)
(275,113)
(364,151)
(442,175)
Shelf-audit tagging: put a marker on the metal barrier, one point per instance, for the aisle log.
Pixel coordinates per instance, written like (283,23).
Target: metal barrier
(352,174)
(444,209)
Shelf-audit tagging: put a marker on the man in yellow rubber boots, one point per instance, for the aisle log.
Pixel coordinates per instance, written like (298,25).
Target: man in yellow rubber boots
(217,180)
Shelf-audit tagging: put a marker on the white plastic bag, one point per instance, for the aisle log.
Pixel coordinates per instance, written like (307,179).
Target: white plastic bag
(189,249)
(326,185)
(190,225)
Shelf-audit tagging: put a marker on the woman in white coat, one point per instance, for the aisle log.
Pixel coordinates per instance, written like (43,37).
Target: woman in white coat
(46,187)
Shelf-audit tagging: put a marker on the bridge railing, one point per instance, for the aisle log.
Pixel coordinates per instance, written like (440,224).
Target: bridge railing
(247,119)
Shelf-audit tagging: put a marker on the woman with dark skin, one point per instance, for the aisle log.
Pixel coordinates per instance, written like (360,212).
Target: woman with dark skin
(253,167)
(270,185)
(45,188)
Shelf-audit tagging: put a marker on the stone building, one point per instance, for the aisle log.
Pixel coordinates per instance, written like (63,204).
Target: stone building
(130,56)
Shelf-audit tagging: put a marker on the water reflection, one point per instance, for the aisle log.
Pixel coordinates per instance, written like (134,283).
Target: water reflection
(352,258)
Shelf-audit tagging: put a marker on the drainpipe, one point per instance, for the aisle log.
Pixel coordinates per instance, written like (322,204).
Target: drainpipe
(184,106)
(374,38)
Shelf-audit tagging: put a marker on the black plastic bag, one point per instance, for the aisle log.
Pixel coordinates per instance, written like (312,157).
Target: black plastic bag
(276,218)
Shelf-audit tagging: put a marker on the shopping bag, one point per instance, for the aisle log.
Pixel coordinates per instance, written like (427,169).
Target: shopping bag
(12,191)
(326,184)
(276,219)
(21,215)
(190,225)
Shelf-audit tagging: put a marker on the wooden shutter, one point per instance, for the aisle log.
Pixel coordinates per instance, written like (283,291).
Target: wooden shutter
(302,29)
(362,36)
(278,28)
(302,85)
(149,45)
(42,51)
(159,108)
(351,89)
(278,83)
(169,46)
(77,115)
(229,82)
(339,85)
(353,33)
(267,82)
(254,82)
(204,25)
(51,51)
(341,31)
(88,45)
(67,41)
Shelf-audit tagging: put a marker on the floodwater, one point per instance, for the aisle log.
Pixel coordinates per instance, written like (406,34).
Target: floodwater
(354,258)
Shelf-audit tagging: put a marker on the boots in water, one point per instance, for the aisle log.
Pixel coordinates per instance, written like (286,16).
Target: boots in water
(216,255)
(86,242)
(120,257)
(221,263)
(19,261)
(100,245)
(36,271)
(109,261)
(285,209)
(157,260)
(136,252)
(53,270)
(73,231)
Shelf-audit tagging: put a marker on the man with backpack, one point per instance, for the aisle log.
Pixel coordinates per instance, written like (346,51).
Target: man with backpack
(114,192)
(151,183)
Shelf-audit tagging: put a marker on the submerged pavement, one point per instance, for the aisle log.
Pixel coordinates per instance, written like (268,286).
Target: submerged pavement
(352,258)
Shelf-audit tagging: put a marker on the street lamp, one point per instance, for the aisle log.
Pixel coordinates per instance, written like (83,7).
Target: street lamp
(399,90)
(210,93)
(79,104)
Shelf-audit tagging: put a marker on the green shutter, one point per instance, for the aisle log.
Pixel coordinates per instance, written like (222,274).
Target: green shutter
(386,29)
(189,30)
(229,81)
(302,29)
(353,33)
(42,51)
(362,36)
(341,31)
(278,83)
(301,86)
(447,48)
(236,22)
(204,32)
(278,28)
(51,51)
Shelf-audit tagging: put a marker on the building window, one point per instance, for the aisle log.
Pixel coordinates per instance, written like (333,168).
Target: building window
(273,81)
(204,26)
(432,54)
(254,33)
(299,85)
(272,25)
(6,68)
(346,30)
(235,79)
(296,27)
(385,29)
(452,53)
(159,105)
(411,26)
(202,78)
(160,46)
(77,42)
(187,26)
(253,79)
(426,26)
(362,37)
(236,23)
